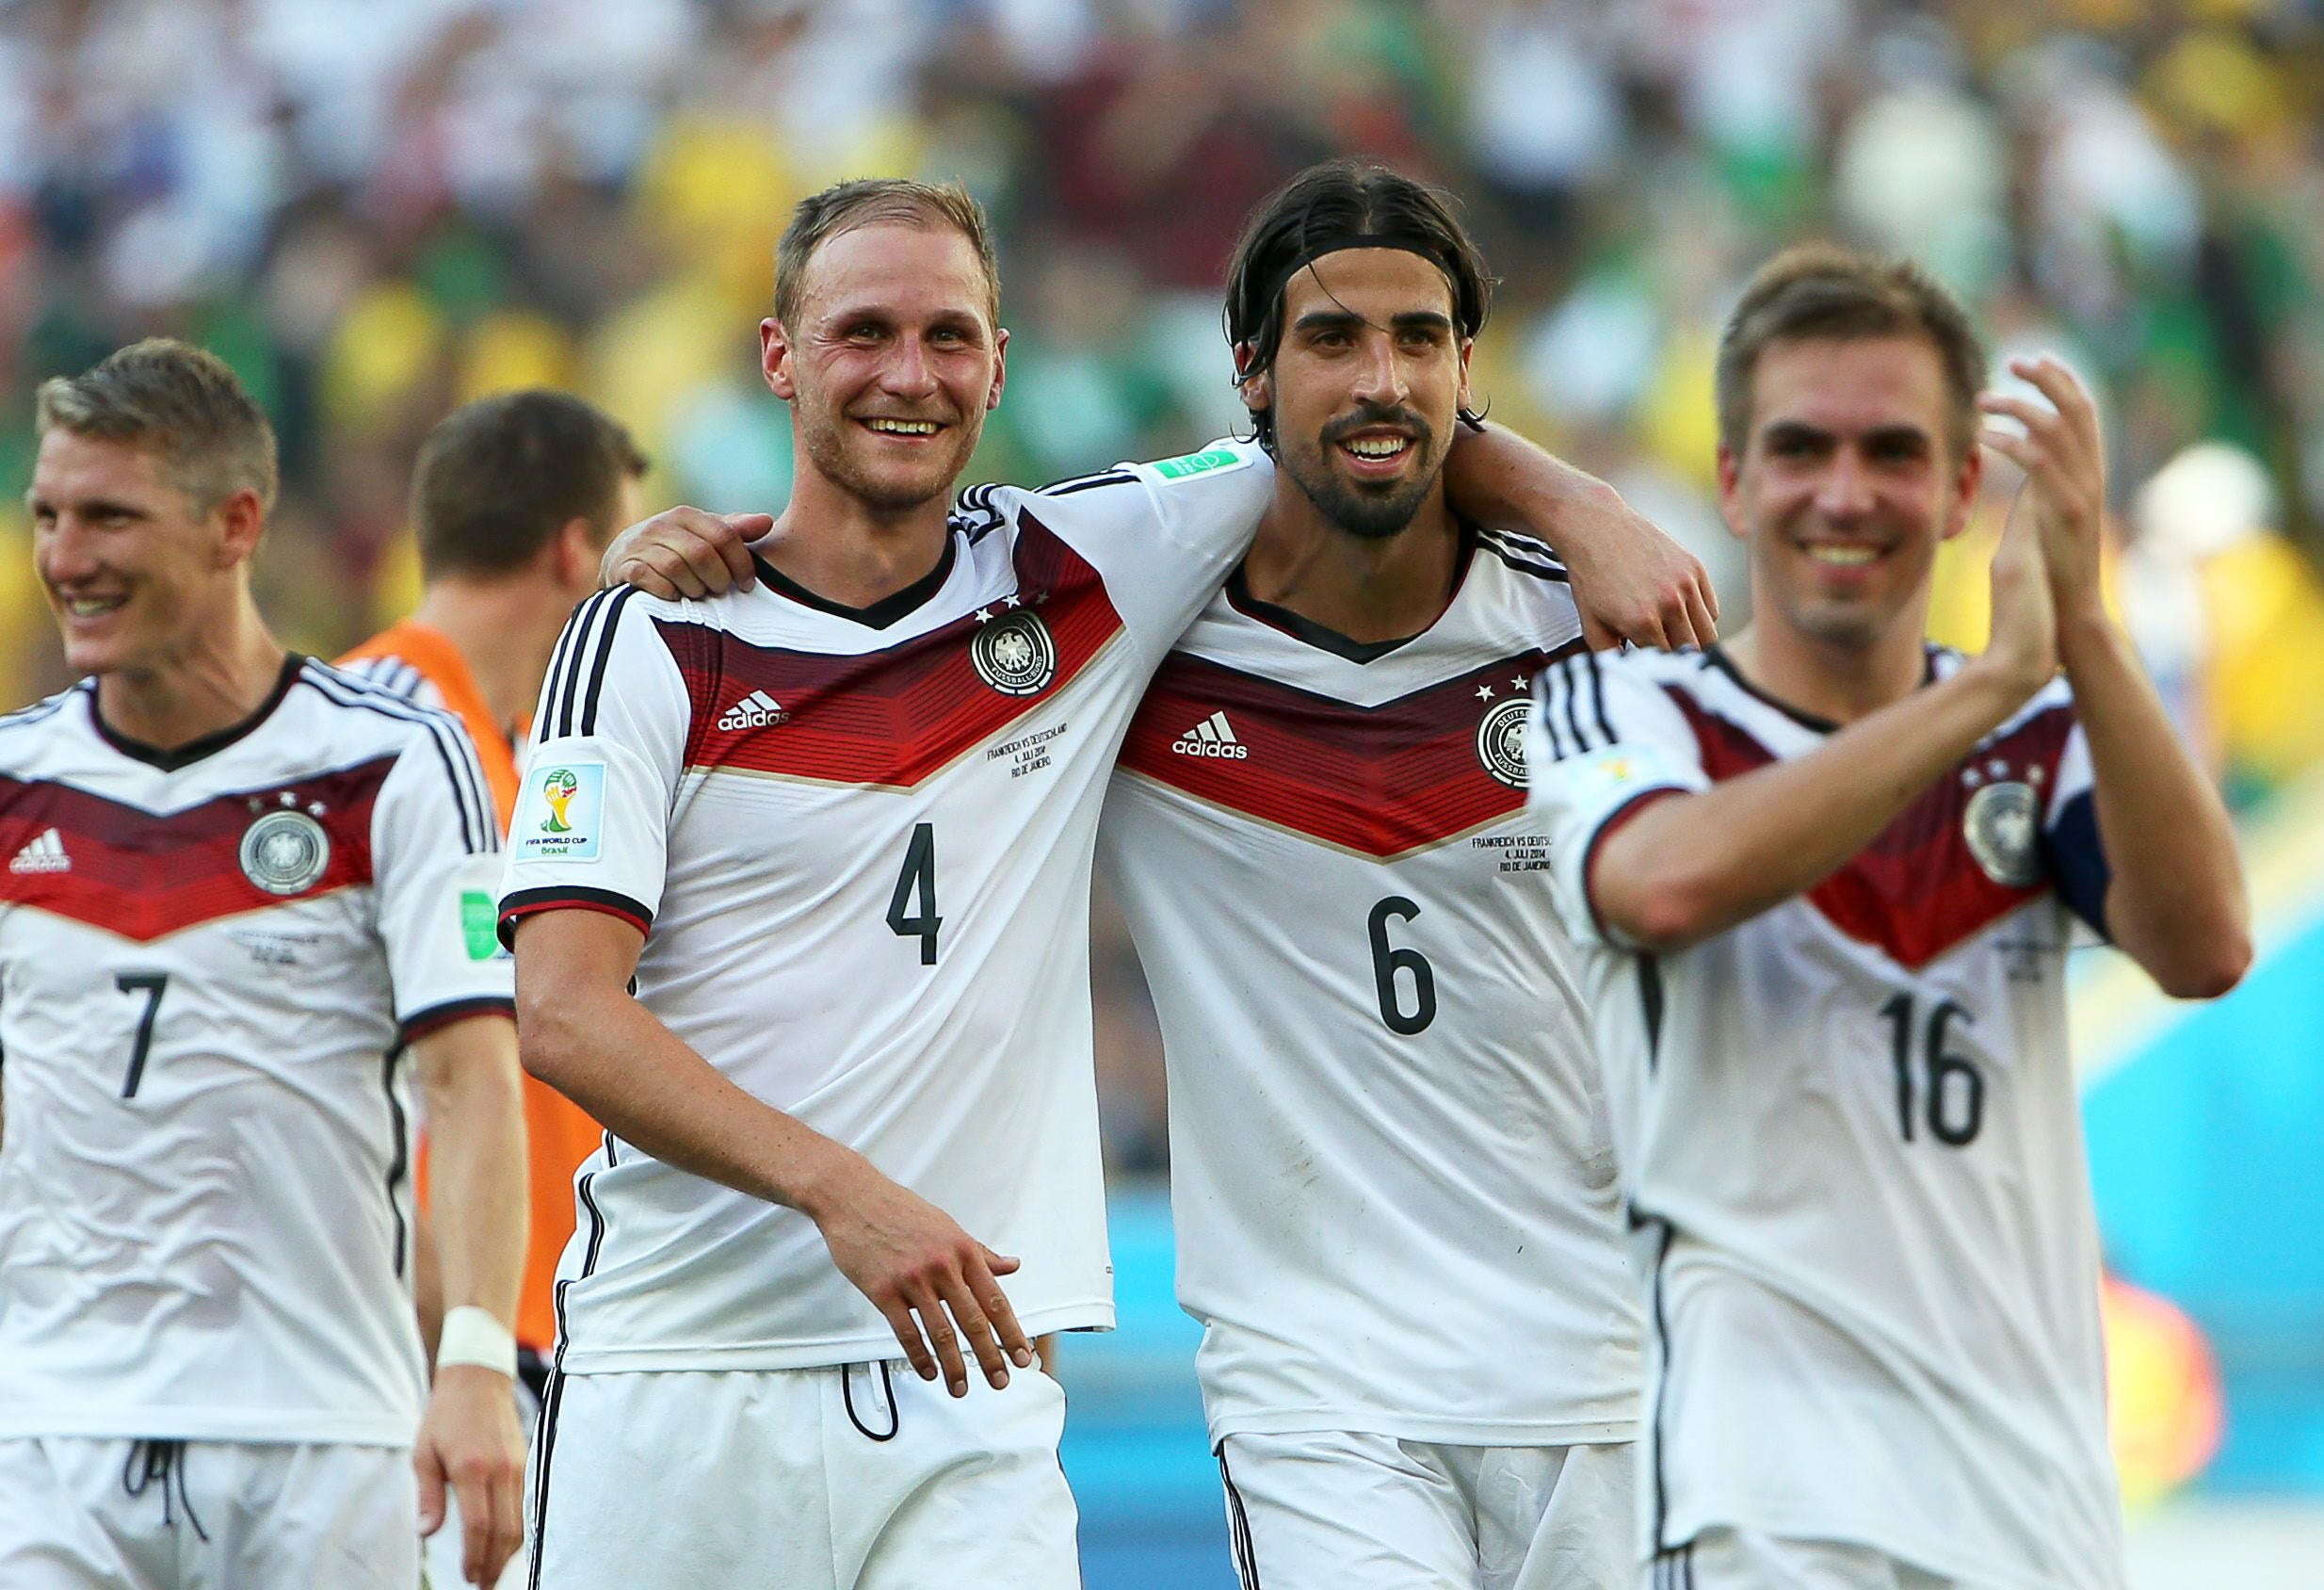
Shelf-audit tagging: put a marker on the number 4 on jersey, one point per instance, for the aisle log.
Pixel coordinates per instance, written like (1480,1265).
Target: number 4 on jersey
(917,879)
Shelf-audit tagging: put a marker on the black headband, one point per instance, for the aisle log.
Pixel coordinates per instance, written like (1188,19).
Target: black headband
(1418,243)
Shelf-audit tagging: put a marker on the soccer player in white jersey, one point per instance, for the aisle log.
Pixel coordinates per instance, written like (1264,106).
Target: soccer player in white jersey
(1826,876)
(247,897)
(838,826)
(1390,1175)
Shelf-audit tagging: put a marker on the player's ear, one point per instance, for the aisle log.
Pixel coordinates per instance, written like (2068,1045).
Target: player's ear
(1730,505)
(241,519)
(1965,484)
(1256,387)
(775,359)
(1000,369)
(575,554)
(1468,346)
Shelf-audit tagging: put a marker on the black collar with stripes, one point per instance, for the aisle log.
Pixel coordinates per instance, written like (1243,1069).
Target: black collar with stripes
(1300,627)
(877,615)
(170,759)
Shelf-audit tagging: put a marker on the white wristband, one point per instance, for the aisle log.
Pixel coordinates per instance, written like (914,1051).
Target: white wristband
(471,1336)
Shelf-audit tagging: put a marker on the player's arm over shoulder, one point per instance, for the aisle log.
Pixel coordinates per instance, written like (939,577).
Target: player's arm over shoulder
(1202,507)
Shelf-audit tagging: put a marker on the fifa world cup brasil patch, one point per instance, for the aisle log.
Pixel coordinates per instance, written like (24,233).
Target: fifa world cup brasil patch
(563,812)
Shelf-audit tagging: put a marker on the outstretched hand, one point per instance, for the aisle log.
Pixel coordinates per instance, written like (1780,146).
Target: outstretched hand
(686,552)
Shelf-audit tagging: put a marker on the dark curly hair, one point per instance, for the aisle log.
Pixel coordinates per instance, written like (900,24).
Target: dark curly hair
(1328,206)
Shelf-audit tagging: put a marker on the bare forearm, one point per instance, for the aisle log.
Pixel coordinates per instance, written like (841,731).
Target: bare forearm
(1496,476)
(609,1055)
(2176,901)
(1690,867)
(479,1188)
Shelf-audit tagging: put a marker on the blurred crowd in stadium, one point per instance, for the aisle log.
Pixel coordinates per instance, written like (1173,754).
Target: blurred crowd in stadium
(375,211)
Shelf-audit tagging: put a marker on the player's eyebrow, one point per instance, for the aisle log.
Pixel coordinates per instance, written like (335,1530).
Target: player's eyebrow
(91,507)
(1347,319)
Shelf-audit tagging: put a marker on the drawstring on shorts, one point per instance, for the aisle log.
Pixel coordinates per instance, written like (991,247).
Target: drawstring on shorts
(887,1390)
(164,1461)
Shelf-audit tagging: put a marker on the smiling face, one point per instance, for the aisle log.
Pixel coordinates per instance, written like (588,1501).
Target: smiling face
(133,571)
(1847,484)
(1366,385)
(894,363)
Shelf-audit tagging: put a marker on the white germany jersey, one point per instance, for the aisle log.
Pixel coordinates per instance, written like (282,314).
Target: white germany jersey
(1391,1178)
(1850,1144)
(212,963)
(859,846)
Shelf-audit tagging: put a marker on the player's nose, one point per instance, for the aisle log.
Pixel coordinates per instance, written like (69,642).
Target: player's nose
(65,552)
(1845,489)
(1379,375)
(907,372)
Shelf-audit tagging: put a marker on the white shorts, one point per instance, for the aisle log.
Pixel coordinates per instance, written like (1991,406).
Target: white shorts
(102,1513)
(1726,1559)
(1356,1512)
(861,1478)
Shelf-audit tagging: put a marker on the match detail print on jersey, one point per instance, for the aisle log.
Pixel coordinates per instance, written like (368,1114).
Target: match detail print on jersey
(1376,781)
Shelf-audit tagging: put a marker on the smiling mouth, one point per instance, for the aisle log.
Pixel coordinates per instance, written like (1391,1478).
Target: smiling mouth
(92,607)
(1843,556)
(902,427)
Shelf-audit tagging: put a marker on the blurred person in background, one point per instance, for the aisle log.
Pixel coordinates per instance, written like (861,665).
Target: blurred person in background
(233,903)
(514,500)
(1825,876)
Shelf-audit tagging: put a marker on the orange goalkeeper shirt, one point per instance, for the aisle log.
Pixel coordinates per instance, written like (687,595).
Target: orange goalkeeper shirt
(423,663)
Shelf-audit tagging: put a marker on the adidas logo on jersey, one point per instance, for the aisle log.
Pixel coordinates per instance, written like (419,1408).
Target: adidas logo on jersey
(44,854)
(1213,736)
(757,710)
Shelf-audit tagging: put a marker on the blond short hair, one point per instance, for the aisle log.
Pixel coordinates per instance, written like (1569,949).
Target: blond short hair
(871,202)
(183,404)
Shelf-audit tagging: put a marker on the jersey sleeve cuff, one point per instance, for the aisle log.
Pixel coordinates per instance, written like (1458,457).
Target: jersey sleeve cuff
(531,902)
(419,1024)
(1608,825)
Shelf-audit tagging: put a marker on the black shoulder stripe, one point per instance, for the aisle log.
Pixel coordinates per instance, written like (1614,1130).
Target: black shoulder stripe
(1545,710)
(1087,482)
(479,829)
(1597,697)
(543,727)
(1572,700)
(588,624)
(458,761)
(479,826)
(604,655)
(1524,555)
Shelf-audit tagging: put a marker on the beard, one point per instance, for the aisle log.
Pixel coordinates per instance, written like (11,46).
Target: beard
(826,441)
(1370,511)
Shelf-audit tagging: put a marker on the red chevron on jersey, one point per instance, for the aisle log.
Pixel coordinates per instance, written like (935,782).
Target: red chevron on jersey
(1380,781)
(1918,889)
(892,718)
(145,875)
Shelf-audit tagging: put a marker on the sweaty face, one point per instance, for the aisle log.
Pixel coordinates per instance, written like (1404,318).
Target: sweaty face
(132,572)
(1847,484)
(1365,385)
(894,364)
